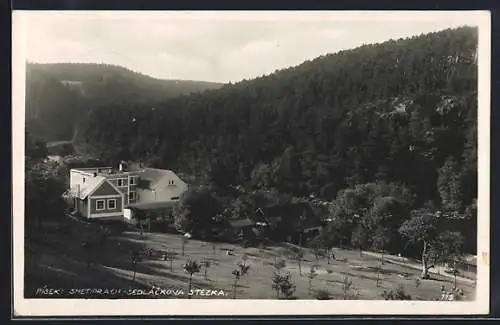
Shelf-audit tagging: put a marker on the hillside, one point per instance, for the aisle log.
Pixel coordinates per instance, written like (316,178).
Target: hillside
(393,111)
(59,95)
(378,131)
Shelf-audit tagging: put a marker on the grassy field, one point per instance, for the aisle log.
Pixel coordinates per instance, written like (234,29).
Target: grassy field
(57,260)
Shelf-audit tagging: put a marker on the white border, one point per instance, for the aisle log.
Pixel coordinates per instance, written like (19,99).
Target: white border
(131,307)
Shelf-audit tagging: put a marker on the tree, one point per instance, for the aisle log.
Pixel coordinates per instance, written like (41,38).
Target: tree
(197,210)
(346,285)
(298,255)
(283,285)
(43,198)
(238,272)
(191,267)
(310,276)
(135,258)
(380,240)
(422,229)
(379,270)
(206,265)
(451,245)
(184,241)
(449,184)
(35,150)
(214,249)
(170,256)
(359,238)
(104,233)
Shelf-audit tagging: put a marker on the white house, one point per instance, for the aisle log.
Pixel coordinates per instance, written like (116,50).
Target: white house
(134,188)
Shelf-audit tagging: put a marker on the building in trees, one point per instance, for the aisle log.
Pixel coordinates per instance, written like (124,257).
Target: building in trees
(294,222)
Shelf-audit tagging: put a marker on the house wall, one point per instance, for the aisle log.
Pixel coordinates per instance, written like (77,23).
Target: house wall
(132,188)
(129,216)
(168,188)
(125,184)
(172,183)
(117,211)
(82,207)
(161,195)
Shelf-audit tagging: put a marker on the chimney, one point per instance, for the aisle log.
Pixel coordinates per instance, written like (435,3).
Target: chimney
(120,167)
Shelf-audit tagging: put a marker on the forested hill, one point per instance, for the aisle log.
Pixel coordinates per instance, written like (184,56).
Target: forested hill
(402,111)
(59,95)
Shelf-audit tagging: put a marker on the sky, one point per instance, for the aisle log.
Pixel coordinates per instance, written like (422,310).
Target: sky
(215,46)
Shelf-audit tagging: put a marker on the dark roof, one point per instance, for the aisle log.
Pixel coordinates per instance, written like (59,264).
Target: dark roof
(292,213)
(152,205)
(240,223)
(287,211)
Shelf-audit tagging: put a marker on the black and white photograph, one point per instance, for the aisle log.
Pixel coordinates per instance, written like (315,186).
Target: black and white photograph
(243,163)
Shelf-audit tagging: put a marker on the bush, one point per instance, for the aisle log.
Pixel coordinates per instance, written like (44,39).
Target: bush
(398,294)
(283,285)
(323,294)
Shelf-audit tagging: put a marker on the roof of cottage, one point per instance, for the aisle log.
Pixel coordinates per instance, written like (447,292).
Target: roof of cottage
(88,187)
(292,213)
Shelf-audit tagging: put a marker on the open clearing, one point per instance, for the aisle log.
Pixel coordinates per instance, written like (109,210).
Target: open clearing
(58,260)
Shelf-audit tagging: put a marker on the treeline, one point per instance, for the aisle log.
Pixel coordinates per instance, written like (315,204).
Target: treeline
(59,95)
(402,113)
(44,186)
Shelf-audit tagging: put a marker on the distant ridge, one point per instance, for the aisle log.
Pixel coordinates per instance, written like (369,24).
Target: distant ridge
(58,95)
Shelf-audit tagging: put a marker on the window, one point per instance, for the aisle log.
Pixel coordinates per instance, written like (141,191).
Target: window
(170,182)
(132,180)
(100,205)
(131,196)
(174,198)
(111,204)
(83,180)
(120,182)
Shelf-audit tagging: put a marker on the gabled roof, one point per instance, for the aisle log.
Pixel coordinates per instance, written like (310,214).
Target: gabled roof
(88,187)
(292,213)
(157,177)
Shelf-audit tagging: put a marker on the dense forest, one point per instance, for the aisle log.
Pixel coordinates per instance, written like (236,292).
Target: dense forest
(59,95)
(379,131)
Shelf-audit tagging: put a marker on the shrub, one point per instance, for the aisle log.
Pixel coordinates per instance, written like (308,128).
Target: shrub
(282,284)
(323,294)
(398,294)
